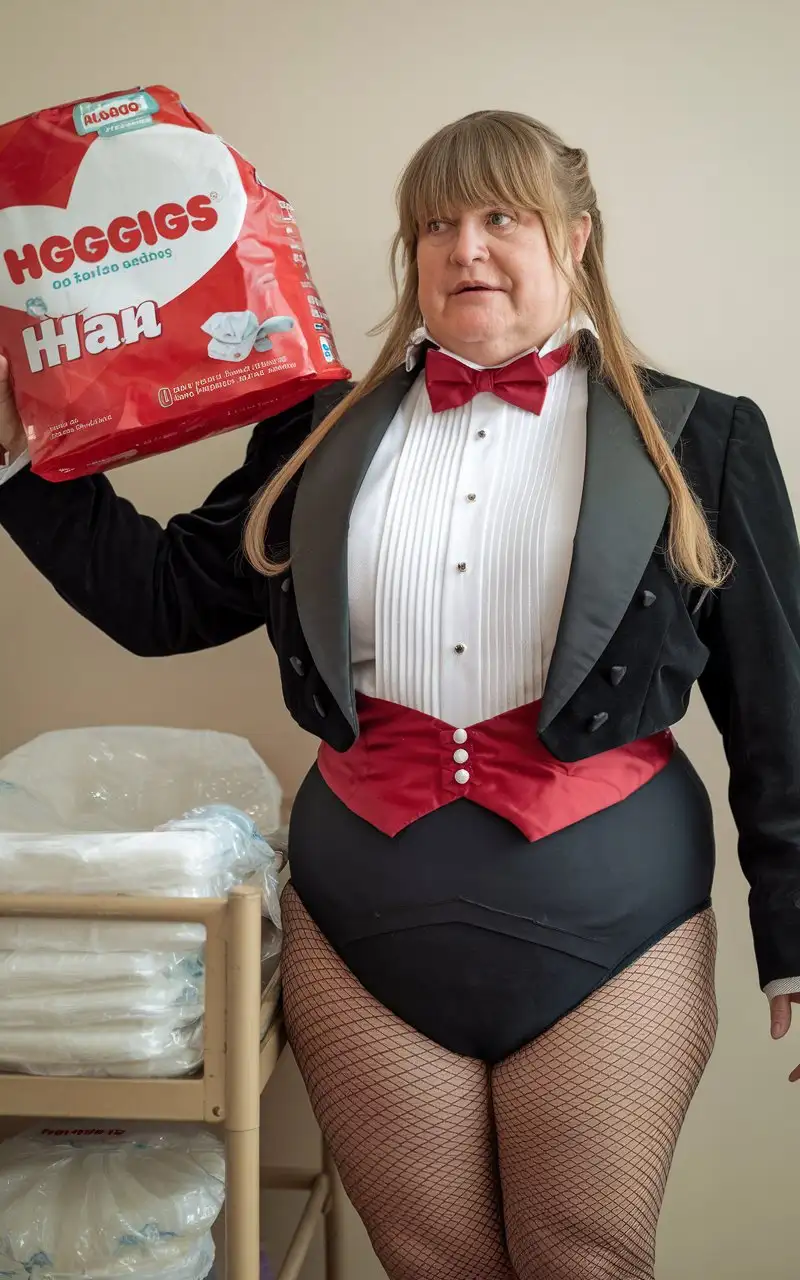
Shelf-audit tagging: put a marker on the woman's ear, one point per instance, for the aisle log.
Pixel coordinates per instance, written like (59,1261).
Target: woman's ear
(579,237)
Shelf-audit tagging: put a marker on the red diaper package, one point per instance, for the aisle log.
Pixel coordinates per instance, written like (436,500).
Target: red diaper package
(152,290)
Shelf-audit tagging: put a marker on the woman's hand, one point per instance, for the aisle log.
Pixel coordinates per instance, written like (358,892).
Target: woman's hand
(12,434)
(781,1020)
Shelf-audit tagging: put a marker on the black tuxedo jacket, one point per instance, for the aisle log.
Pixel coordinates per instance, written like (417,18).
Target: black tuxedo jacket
(632,640)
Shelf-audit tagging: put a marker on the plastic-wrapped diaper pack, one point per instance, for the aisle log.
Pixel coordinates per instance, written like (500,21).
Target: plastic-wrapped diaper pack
(132,778)
(153,290)
(70,1008)
(126,779)
(112,997)
(201,855)
(109,1201)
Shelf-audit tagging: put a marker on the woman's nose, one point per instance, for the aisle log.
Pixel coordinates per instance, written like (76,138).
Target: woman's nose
(470,246)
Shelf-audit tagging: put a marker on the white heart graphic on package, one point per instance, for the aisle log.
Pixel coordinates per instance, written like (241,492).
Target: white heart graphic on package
(120,177)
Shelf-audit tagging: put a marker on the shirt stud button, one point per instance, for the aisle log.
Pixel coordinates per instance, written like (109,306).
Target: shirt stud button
(461,757)
(616,675)
(471,497)
(460,735)
(598,721)
(461,776)
(459,648)
(648,598)
(462,566)
(481,434)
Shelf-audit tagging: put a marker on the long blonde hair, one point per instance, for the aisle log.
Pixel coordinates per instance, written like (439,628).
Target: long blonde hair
(503,157)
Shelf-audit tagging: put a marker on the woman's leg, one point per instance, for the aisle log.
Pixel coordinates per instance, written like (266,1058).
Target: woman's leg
(409,1124)
(588,1115)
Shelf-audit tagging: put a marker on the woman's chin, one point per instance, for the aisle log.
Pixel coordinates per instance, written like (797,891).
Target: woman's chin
(472,329)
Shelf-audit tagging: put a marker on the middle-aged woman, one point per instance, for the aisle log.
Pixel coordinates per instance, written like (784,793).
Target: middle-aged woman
(492,573)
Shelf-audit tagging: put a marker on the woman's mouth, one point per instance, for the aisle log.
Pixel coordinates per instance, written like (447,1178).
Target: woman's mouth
(474,286)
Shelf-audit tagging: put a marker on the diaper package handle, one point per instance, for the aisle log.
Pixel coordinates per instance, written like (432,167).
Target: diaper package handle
(153,290)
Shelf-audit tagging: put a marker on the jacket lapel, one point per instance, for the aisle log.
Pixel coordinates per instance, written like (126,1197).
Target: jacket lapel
(625,504)
(623,510)
(327,490)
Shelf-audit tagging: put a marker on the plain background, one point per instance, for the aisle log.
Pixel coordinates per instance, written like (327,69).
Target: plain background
(690,115)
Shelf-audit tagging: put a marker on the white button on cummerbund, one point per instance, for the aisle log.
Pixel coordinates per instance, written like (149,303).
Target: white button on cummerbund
(460,735)
(462,776)
(461,756)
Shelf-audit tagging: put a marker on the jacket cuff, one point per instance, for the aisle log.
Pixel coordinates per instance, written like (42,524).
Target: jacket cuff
(776,937)
(782,987)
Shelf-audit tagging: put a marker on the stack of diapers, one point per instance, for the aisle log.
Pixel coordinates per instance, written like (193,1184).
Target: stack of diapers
(153,290)
(84,1199)
(116,998)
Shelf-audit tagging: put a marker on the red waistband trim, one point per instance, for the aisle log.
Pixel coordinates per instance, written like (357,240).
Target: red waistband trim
(406,764)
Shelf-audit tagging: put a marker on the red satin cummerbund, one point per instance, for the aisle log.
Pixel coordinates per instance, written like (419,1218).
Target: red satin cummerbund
(405,764)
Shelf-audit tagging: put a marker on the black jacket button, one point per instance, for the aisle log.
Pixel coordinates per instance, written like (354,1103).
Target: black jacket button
(286,586)
(616,675)
(318,706)
(597,721)
(648,598)
(297,665)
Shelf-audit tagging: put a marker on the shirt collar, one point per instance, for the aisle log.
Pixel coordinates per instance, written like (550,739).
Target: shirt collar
(577,323)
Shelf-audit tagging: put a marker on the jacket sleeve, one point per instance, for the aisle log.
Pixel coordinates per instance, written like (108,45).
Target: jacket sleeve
(156,591)
(752,685)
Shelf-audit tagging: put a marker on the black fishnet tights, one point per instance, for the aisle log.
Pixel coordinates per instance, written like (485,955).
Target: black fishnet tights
(589,1114)
(584,1119)
(408,1122)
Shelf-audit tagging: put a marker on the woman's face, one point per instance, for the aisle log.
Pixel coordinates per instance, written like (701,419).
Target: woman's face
(488,287)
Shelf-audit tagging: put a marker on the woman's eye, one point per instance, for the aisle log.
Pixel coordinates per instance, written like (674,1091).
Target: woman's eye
(498,219)
(435,226)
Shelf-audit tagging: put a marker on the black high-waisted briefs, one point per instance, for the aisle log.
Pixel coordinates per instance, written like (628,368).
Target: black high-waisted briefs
(481,939)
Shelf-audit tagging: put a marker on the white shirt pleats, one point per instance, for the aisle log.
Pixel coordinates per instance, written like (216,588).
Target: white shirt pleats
(460,548)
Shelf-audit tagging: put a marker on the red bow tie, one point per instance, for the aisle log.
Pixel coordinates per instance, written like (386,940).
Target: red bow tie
(523,383)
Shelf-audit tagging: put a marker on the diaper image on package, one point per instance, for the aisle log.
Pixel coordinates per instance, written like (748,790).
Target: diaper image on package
(36,307)
(153,291)
(234,335)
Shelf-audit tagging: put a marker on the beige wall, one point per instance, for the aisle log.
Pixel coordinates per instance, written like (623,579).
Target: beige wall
(690,113)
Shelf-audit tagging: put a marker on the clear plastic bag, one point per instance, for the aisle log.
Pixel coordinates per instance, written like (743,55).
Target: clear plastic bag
(78,989)
(192,1260)
(249,858)
(145,1029)
(32,972)
(93,1199)
(65,989)
(185,864)
(107,936)
(201,855)
(156,1049)
(92,1010)
(136,777)
(116,998)
(21,810)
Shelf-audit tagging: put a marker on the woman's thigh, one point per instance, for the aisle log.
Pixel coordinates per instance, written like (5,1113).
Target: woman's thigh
(589,1113)
(409,1123)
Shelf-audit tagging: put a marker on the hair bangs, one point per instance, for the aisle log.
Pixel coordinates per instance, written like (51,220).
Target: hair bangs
(479,162)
